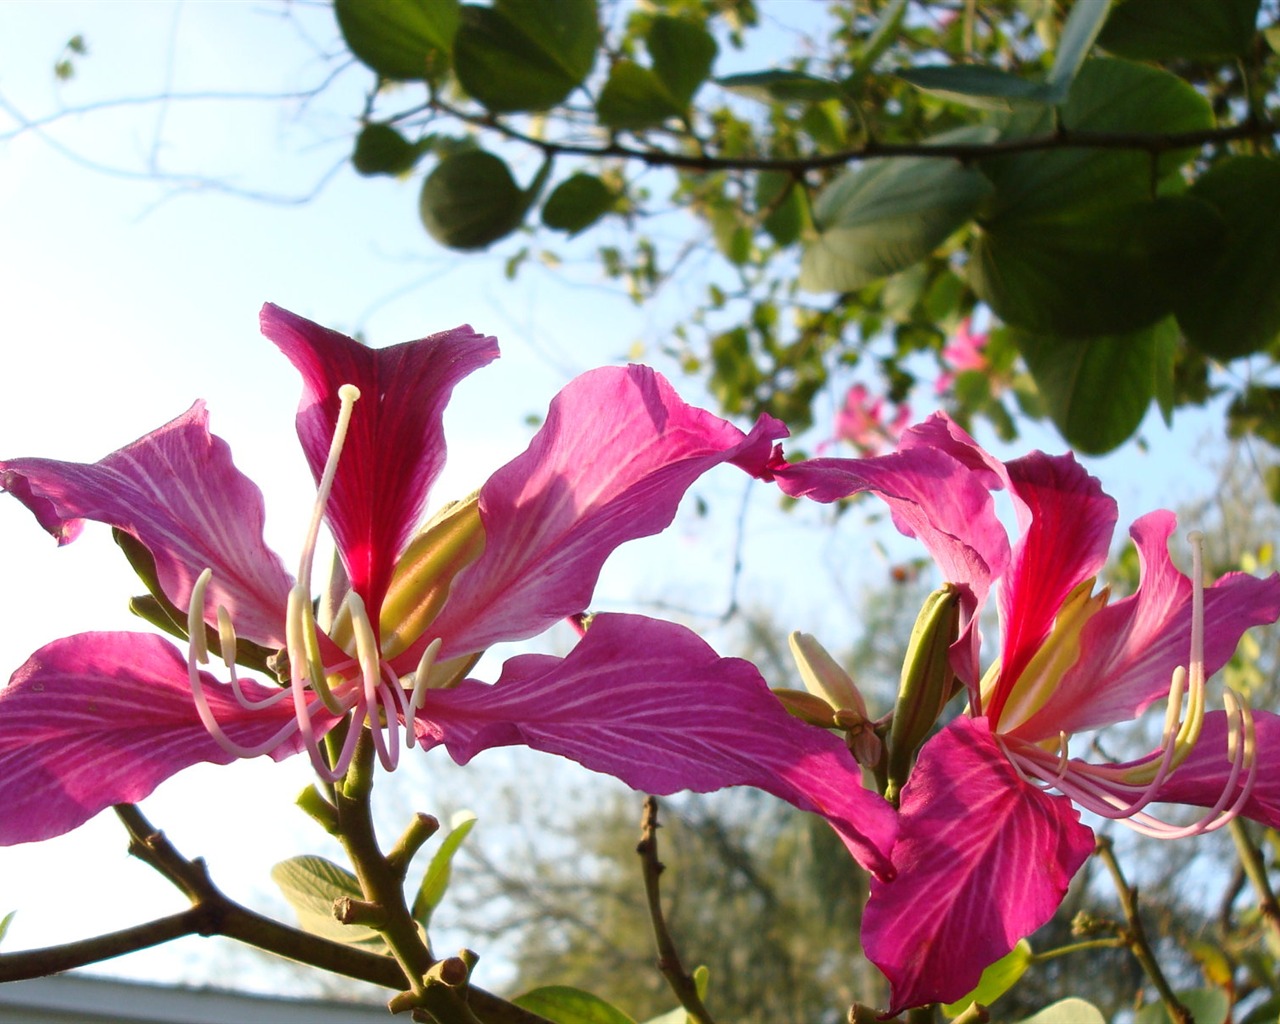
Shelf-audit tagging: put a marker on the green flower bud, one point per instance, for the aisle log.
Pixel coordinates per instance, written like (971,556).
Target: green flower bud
(928,682)
(832,701)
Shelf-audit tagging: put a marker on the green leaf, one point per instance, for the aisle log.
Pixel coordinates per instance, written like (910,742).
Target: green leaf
(564,1005)
(1232,307)
(5,922)
(1078,33)
(996,980)
(1207,1006)
(471,201)
(577,203)
(1108,96)
(380,149)
(1186,29)
(680,1015)
(311,884)
(682,54)
(525,54)
(1097,391)
(1099,271)
(779,86)
(884,35)
(975,85)
(404,40)
(436,881)
(634,98)
(885,216)
(784,197)
(1067,1011)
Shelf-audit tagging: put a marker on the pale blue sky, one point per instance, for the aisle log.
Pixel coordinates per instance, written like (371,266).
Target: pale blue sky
(124,300)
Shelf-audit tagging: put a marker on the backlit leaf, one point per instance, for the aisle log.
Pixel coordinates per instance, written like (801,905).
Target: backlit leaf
(471,201)
(1232,307)
(311,884)
(1097,391)
(436,881)
(404,40)
(1067,1011)
(525,54)
(564,1005)
(884,216)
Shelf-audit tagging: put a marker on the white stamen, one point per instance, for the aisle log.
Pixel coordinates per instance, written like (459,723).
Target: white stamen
(387,747)
(197,644)
(422,675)
(348,395)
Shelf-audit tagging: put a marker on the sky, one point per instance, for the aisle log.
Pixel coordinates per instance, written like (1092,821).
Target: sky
(127,296)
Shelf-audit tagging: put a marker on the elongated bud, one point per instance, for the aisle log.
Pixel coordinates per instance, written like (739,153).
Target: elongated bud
(425,572)
(823,676)
(832,700)
(928,682)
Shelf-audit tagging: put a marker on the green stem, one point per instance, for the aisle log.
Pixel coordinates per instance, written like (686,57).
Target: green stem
(380,881)
(1078,947)
(1135,936)
(1255,869)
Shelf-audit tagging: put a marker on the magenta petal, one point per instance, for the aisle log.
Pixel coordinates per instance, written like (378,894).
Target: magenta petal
(650,703)
(1065,524)
(983,859)
(1129,649)
(617,452)
(178,492)
(1202,778)
(938,489)
(395,446)
(103,718)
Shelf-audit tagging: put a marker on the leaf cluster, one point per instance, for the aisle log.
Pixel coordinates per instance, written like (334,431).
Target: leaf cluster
(1100,176)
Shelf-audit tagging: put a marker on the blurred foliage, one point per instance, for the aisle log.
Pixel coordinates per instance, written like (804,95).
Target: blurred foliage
(1100,179)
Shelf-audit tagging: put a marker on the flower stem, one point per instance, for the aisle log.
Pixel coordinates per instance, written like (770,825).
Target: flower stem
(1256,870)
(669,963)
(1135,936)
(213,913)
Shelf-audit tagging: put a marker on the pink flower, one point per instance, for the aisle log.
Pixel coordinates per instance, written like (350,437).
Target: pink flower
(991,834)
(964,353)
(101,718)
(861,421)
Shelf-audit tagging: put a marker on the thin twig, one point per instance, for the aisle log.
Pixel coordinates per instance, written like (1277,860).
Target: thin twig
(682,984)
(1135,936)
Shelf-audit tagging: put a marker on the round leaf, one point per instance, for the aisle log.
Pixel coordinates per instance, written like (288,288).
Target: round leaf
(885,216)
(380,149)
(1099,271)
(634,98)
(1232,308)
(577,203)
(404,40)
(525,54)
(471,201)
(1097,391)
(682,54)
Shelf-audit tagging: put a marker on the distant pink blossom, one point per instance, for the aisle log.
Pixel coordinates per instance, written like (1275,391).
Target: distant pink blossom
(990,831)
(965,352)
(101,718)
(862,423)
